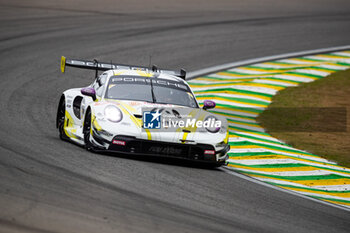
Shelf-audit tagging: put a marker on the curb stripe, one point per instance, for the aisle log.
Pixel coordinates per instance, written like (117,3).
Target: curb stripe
(244,91)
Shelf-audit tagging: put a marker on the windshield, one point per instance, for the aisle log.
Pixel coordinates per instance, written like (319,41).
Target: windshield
(140,88)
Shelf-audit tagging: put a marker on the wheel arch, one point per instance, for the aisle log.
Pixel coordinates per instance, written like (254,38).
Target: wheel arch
(63,98)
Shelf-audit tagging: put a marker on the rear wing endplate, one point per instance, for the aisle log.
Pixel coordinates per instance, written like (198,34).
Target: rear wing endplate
(103,66)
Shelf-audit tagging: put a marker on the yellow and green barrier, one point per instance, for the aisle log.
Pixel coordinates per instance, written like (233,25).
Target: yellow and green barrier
(242,93)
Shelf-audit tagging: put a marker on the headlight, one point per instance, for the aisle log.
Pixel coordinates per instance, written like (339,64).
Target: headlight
(212,124)
(113,114)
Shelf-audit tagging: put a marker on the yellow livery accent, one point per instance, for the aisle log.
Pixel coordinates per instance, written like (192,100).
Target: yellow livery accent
(149,135)
(68,125)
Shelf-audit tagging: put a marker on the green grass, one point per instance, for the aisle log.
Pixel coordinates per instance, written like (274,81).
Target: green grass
(314,117)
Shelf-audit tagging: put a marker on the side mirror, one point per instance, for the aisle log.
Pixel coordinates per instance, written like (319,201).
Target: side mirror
(89,91)
(208,104)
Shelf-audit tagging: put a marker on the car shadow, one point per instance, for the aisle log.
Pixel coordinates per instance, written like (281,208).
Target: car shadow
(152,158)
(163,160)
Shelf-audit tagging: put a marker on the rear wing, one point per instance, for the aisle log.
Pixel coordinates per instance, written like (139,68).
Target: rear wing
(103,66)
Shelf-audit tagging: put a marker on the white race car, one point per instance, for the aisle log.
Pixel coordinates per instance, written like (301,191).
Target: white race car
(137,110)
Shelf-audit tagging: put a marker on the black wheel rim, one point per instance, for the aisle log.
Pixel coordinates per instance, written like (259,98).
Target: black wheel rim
(87,127)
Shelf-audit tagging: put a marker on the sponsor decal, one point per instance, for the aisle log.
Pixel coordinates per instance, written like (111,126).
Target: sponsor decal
(209,152)
(136,103)
(118,142)
(100,103)
(165,150)
(157,82)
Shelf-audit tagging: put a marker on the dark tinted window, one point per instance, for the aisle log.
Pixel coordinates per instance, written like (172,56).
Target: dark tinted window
(126,91)
(139,88)
(174,96)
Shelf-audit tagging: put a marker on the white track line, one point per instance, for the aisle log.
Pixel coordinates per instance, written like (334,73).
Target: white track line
(227,66)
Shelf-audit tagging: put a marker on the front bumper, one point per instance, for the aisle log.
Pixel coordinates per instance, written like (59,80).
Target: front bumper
(196,152)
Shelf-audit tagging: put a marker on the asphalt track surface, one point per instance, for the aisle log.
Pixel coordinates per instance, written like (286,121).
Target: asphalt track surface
(47,185)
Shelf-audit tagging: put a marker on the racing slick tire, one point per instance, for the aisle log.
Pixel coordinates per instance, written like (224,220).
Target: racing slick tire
(61,117)
(86,131)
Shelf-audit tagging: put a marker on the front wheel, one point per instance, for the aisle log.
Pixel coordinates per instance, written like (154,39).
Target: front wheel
(87,132)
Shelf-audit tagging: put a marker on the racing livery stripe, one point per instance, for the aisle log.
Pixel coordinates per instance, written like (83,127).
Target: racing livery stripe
(126,108)
(242,93)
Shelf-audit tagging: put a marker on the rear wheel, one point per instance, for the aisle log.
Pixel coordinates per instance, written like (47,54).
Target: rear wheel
(61,116)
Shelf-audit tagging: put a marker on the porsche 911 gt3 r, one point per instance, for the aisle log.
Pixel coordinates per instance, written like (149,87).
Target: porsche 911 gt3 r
(111,114)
